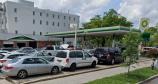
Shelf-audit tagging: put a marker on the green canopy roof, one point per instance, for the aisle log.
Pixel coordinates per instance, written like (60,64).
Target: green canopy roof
(94,31)
(21,38)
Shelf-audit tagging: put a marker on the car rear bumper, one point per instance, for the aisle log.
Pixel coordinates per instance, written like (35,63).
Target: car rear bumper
(9,73)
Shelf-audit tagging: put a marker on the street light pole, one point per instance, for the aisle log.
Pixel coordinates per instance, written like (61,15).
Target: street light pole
(75,45)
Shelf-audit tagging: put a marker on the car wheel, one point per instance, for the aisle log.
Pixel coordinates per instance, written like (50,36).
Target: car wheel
(93,65)
(55,70)
(22,74)
(73,67)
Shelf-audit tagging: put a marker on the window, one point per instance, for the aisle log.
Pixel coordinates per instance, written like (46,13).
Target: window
(12,56)
(39,61)
(47,15)
(74,18)
(14,60)
(69,18)
(34,33)
(58,17)
(79,54)
(16,31)
(53,15)
(28,61)
(1,56)
(58,24)
(72,55)
(40,33)
(40,13)
(40,54)
(64,24)
(87,55)
(40,22)
(64,17)
(61,54)
(15,10)
(47,23)
(53,24)
(33,21)
(33,12)
(15,19)
(49,48)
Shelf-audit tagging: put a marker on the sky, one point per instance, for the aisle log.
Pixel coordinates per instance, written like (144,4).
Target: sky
(133,10)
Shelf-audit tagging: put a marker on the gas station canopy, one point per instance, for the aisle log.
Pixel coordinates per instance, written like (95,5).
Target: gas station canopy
(116,30)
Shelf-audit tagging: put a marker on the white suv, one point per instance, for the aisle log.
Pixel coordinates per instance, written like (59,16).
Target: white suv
(75,58)
(51,50)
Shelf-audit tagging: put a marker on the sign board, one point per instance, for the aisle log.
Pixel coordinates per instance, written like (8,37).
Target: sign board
(73,26)
(144,23)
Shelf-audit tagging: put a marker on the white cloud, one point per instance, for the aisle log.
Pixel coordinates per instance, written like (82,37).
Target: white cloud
(136,9)
(85,8)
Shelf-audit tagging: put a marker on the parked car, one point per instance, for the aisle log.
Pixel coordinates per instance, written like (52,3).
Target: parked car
(73,59)
(9,56)
(51,49)
(108,55)
(4,51)
(90,51)
(9,49)
(23,67)
(26,50)
(44,55)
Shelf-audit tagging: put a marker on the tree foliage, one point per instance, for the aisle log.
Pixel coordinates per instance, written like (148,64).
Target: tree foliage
(110,18)
(131,42)
(151,30)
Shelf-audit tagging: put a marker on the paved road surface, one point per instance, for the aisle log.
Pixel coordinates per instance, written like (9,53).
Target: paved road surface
(155,81)
(84,78)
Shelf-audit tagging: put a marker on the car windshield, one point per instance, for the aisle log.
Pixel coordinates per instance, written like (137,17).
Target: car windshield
(14,60)
(1,56)
(61,54)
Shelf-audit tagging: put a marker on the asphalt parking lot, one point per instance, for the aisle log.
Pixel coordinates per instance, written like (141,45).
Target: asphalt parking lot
(65,73)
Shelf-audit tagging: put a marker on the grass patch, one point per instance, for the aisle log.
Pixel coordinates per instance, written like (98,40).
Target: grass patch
(134,77)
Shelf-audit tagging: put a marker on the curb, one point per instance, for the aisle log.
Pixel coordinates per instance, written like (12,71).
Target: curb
(147,80)
(9,80)
(51,78)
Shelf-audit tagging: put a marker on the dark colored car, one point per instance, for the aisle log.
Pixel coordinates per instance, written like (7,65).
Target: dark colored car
(108,55)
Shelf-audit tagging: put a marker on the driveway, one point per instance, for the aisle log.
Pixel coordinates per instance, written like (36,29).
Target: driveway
(84,78)
(154,81)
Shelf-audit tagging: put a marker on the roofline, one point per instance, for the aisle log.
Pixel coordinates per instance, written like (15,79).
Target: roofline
(94,30)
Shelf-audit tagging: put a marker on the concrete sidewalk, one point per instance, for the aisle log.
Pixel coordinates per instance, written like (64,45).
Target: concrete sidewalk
(3,81)
(84,78)
(154,81)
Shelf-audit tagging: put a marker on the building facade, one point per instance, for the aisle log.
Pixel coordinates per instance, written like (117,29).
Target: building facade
(23,18)
(22,24)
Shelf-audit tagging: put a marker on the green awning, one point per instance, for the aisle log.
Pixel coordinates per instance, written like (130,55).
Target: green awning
(94,31)
(21,38)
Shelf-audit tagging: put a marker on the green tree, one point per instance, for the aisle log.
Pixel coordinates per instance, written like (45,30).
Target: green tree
(131,42)
(154,40)
(110,18)
(151,30)
(95,22)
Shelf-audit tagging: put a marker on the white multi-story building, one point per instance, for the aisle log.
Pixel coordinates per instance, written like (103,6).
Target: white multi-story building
(21,17)
(23,24)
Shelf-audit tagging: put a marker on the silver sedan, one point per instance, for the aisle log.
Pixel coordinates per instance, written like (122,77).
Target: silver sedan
(25,66)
